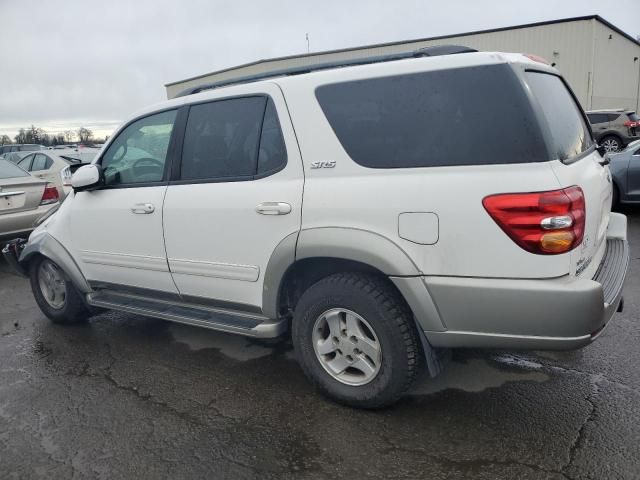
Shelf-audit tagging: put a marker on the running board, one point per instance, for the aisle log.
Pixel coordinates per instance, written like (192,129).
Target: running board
(248,324)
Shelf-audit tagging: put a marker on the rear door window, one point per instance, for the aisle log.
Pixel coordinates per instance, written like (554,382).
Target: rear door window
(40,162)
(222,138)
(569,134)
(465,116)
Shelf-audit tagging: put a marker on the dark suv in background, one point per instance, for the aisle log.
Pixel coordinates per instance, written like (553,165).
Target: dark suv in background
(614,129)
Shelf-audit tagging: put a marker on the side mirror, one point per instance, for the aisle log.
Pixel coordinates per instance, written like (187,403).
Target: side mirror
(87,177)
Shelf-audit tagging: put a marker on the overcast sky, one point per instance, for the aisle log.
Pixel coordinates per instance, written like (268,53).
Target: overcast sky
(93,63)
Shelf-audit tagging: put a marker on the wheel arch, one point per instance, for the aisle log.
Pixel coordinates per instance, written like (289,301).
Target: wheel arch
(43,244)
(303,259)
(336,245)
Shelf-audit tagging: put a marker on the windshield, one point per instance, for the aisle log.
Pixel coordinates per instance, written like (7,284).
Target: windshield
(9,170)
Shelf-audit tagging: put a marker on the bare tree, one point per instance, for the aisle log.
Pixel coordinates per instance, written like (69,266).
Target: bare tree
(84,134)
(69,135)
(4,139)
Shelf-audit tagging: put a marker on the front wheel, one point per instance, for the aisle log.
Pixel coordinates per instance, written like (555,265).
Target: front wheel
(356,340)
(55,294)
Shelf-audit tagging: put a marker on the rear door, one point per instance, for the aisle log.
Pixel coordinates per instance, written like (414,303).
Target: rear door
(236,196)
(570,142)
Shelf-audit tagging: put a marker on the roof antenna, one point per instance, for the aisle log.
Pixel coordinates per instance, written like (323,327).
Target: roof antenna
(307,42)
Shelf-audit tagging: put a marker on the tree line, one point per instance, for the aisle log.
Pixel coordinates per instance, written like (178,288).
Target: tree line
(39,136)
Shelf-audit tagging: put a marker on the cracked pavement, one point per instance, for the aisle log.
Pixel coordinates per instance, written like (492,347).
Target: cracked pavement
(134,397)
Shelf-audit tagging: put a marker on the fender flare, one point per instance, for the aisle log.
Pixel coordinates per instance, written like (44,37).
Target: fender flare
(44,244)
(358,245)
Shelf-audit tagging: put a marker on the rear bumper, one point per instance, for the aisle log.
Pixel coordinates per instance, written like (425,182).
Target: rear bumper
(17,224)
(551,314)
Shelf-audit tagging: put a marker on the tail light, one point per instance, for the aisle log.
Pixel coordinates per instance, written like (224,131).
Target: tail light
(65,174)
(546,223)
(630,124)
(50,195)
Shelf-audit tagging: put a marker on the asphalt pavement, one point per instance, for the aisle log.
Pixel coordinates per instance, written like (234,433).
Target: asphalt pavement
(132,397)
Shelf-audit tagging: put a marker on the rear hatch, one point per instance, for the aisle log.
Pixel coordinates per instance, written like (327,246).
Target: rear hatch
(578,163)
(19,191)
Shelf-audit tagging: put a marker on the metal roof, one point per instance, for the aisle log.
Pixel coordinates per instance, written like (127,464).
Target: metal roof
(441,37)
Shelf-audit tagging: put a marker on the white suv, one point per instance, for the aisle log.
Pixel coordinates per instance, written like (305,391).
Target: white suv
(380,210)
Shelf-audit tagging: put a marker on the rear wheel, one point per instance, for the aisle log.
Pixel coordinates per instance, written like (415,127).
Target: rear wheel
(55,294)
(611,144)
(356,340)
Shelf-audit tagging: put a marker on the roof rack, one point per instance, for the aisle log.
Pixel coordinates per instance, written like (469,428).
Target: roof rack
(422,52)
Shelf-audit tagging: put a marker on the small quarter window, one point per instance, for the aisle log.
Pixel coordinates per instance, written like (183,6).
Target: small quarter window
(273,154)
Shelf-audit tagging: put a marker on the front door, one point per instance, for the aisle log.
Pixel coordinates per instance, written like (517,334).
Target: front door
(239,194)
(116,231)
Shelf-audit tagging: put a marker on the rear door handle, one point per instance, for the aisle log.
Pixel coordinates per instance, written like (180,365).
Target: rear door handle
(143,208)
(273,208)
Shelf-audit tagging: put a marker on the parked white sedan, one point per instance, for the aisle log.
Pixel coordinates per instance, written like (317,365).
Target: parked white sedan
(55,166)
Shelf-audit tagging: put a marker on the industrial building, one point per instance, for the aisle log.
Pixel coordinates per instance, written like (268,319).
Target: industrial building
(600,61)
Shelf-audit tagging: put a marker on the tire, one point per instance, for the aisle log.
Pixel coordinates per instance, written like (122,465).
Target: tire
(611,144)
(56,296)
(369,312)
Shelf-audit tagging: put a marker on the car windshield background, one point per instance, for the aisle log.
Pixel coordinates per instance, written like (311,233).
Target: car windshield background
(466,116)
(139,153)
(10,170)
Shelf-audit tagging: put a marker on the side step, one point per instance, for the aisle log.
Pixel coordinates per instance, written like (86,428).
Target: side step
(248,324)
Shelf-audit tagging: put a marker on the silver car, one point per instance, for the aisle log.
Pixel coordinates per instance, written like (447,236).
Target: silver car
(625,171)
(23,200)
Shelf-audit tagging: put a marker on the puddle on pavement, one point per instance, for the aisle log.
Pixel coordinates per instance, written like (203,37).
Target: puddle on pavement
(479,374)
(232,346)
(472,375)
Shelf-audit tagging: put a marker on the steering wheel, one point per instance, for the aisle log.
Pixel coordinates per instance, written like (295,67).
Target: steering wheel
(148,167)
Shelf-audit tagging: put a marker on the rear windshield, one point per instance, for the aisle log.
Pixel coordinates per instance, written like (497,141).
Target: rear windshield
(467,116)
(568,131)
(9,170)
(633,116)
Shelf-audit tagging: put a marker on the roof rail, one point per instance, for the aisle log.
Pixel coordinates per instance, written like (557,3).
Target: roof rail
(422,52)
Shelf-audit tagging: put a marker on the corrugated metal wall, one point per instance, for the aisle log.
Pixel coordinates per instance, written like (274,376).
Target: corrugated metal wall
(570,45)
(616,75)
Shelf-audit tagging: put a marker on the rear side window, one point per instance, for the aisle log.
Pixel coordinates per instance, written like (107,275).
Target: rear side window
(467,116)
(569,135)
(40,162)
(613,116)
(596,118)
(221,139)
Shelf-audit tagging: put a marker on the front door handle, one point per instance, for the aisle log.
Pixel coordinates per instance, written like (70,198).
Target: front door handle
(143,208)
(273,208)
